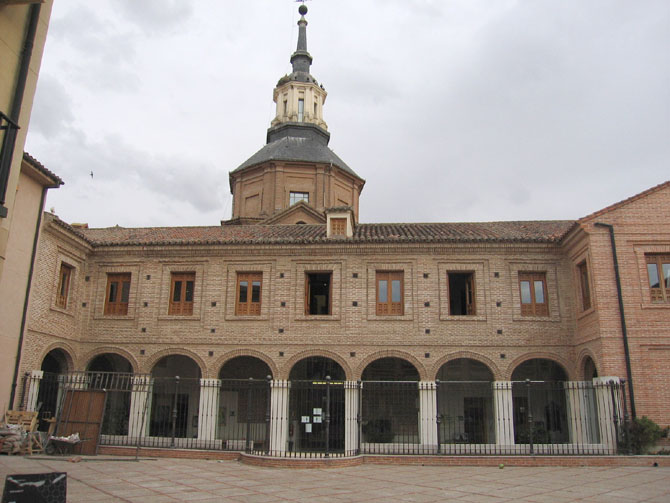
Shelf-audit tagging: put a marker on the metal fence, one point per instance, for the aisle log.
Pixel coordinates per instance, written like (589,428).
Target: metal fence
(330,418)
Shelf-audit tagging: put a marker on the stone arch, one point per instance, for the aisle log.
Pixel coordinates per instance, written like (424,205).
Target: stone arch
(470,356)
(67,351)
(286,368)
(154,358)
(391,353)
(224,358)
(567,368)
(85,360)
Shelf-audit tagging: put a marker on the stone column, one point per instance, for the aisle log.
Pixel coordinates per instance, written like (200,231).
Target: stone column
(504,412)
(609,410)
(33,381)
(140,407)
(577,395)
(279,400)
(428,416)
(208,411)
(351,400)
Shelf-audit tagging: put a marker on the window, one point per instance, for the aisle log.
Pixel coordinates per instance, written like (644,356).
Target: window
(338,226)
(181,293)
(658,269)
(585,287)
(285,107)
(118,292)
(533,292)
(296,197)
(390,293)
(301,110)
(63,285)
(249,293)
(461,293)
(317,293)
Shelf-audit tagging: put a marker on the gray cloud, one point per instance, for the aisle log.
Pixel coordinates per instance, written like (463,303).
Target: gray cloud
(52,109)
(155,15)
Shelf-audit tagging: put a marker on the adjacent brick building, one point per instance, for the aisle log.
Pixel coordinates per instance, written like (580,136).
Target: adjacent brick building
(293,286)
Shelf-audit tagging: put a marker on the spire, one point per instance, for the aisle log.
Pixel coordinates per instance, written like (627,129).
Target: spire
(301,59)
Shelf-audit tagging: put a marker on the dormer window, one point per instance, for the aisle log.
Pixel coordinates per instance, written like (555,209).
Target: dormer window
(296,197)
(301,110)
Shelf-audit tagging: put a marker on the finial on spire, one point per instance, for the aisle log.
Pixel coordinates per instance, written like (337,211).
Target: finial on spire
(301,59)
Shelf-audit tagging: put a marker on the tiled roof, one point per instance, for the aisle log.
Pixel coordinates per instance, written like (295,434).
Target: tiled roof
(531,231)
(40,167)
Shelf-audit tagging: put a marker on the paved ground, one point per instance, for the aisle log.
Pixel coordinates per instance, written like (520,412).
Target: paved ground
(170,480)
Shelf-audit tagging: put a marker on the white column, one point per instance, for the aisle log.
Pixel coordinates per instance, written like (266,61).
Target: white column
(608,410)
(208,410)
(140,407)
(504,412)
(279,399)
(33,384)
(428,416)
(576,397)
(351,400)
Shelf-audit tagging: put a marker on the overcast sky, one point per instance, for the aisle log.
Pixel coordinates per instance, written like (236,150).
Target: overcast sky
(451,110)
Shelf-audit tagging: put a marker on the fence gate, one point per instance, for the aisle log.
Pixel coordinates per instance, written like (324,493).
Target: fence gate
(316,417)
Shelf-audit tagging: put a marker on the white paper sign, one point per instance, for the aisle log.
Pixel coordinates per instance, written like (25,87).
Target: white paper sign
(317,419)
(304,419)
(316,412)
(308,428)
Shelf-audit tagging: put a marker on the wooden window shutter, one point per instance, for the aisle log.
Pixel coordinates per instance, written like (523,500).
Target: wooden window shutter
(470,295)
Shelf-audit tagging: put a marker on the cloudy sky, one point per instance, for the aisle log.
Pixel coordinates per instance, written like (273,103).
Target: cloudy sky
(451,110)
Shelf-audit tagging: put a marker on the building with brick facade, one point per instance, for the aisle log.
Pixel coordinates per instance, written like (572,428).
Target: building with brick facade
(295,328)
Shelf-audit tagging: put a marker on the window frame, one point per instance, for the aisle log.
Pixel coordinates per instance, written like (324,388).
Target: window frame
(389,307)
(304,196)
(117,307)
(65,273)
(182,306)
(534,308)
(338,226)
(661,293)
(584,278)
(308,293)
(471,282)
(248,307)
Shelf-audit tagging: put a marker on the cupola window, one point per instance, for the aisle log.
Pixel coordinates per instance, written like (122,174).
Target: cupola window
(301,110)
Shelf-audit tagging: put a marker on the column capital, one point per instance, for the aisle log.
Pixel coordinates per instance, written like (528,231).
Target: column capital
(37,374)
(501,385)
(210,382)
(280,383)
(429,385)
(350,384)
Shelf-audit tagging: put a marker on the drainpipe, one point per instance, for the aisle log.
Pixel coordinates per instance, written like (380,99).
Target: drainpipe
(622,317)
(17,101)
(24,316)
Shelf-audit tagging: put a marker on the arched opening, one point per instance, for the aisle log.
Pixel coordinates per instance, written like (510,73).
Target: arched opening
(465,402)
(390,404)
(175,397)
(112,373)
(539,402)
(54,365)
(590,370)
(244,400)
(316,406)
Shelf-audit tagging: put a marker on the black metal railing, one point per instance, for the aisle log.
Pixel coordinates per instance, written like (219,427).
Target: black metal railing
(325,418)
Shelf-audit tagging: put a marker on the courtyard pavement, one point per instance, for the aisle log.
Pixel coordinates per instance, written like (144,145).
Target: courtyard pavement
(168,480)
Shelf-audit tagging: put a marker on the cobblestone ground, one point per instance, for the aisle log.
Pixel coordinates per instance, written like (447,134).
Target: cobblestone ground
(169,480)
